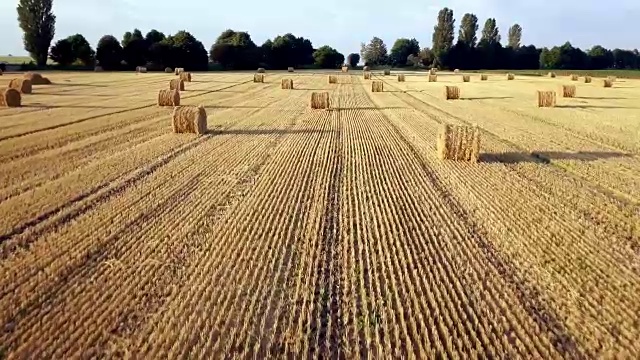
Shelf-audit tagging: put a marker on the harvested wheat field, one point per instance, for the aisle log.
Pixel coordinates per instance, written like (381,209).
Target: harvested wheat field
(286,231)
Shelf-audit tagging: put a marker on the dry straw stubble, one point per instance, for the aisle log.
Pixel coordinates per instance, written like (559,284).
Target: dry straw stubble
(320,100)
(168,98)
(459,143)
(286,84)
(433,78)
(258,78)
(189,119)
(377,86)
(452,92)
(568,91)
(401,78)
(10,98)
(176,84)
(24,86)
(546,98)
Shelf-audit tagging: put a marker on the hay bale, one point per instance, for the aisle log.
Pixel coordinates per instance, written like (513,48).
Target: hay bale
(189,119)
(433,71)
(466,78)
(452,92)
(568,91)
(333,79)
(433,78)
(551,75)
(141,69)
(168,70)
(179,71)
(574,77)
(258,78)
(456,71)
(366,68)
(185,76)
(612,78)
(459,143)
(261,71)
(401,78)
(320,100)
(176,84)
(98,69)
(484,77)
(286,84)
(1,72)
(168,98)
(37,79)
(377,86)
(608,83)
(10,98)
(290,69)
(24,86)
(510,76)
(367,75)
(587,79)
(546,98)
(387,72)
(345,69)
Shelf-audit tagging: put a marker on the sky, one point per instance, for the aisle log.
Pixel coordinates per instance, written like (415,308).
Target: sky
(337,23)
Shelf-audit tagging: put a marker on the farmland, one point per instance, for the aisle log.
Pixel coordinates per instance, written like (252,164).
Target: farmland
(288,231)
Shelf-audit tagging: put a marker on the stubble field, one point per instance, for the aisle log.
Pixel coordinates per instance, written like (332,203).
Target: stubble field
(287,231)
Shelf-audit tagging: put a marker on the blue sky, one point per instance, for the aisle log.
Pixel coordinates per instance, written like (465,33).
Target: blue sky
(338,23)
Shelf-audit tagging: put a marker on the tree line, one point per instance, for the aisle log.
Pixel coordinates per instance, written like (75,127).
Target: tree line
(235,50)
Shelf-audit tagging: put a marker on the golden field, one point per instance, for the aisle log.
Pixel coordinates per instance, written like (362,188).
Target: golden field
(291,232)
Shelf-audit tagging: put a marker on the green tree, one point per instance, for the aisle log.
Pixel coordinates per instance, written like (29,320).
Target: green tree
(550,58)
(62,53)
(374,53)
(187,52)
(353,59)
(109,52)
(82,50)
(600,58)
(235,50)
(515,36)
(490,32)
(401,50)
(131,36)
(426,57)
(38,22)
(443,33)
(154,36)
(468,30)
(289,50)
(327,57)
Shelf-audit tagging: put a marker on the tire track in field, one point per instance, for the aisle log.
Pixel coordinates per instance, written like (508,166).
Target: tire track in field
(52,127)
(527,294)
(420,104)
